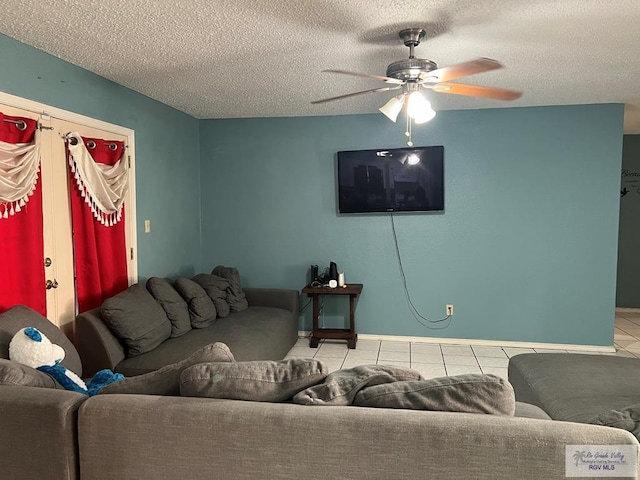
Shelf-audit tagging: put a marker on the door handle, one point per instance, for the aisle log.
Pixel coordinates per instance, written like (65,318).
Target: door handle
(49,285)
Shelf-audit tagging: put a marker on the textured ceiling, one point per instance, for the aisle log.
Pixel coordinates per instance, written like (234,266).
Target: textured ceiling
(258,58)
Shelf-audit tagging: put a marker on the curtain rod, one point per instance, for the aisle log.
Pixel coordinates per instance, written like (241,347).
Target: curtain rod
(20,124)
(91,144)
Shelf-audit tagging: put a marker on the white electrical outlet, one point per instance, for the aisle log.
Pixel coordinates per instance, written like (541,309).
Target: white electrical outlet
(147,226)
(449,310)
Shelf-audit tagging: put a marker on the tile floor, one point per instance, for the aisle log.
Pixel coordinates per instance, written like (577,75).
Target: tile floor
(437,360)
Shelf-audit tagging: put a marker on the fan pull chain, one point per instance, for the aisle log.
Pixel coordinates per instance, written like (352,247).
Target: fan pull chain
(408,132)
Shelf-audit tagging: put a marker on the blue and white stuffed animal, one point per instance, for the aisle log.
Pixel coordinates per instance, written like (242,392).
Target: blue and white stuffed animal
(32,348)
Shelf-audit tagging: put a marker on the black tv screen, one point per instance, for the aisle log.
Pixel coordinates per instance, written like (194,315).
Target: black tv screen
(391,180)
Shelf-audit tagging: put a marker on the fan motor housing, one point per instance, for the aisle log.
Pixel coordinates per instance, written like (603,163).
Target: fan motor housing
(411,69)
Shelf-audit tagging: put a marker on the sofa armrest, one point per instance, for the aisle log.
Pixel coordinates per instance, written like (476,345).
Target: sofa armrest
(97,346)
(38,431)
(273,297)
(338,442)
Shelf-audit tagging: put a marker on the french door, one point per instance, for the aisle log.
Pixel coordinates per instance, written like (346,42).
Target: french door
(57,185)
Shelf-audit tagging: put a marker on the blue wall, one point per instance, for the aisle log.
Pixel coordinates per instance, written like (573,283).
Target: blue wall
(167,149)
(628,288)
(526,249)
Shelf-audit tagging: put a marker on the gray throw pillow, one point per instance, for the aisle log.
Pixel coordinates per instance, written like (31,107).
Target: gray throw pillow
(202,311)
(137,319)
(173,304)
(341,386)
(216,287)
(626,419)
(260,381)
(166,381)
(470,393)
(14,373)
(236,297)
(222,307)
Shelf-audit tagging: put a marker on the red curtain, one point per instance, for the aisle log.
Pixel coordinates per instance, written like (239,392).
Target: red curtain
(22,277)
(99,250)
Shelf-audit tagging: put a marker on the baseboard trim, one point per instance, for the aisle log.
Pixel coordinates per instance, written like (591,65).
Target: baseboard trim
(627,310)
(481,343)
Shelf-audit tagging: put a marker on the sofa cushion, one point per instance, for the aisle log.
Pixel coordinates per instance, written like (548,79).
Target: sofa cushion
(342,386)
(261,381)
(14,373)
(258,333)
(201,308)
(173,304)
(216,287)
(236,297)
(166,381)
(469,393)
(222,306)
(137,319)
(575,387)
(19,317)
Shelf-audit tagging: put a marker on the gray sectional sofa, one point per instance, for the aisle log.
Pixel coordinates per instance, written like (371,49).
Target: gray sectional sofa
(157,437)
(58,434)
(266,330)
(201,438)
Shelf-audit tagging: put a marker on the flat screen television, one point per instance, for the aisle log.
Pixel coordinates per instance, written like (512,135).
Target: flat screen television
(391,180)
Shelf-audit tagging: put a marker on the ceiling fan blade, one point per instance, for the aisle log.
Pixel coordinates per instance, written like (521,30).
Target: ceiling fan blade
(366,75)
(373,90)
(459,70)
(476,91)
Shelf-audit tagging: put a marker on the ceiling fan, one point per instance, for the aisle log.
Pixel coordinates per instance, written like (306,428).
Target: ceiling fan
(413,75)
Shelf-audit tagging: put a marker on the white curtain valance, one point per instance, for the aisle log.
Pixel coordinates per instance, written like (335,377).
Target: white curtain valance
(19,167)
(102,186)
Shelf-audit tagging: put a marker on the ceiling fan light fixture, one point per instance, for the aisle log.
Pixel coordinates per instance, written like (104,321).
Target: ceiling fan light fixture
(425,116)
(419,108)
(393,107)
(415,75)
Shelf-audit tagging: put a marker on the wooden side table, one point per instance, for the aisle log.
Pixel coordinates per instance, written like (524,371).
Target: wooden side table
(348,334)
